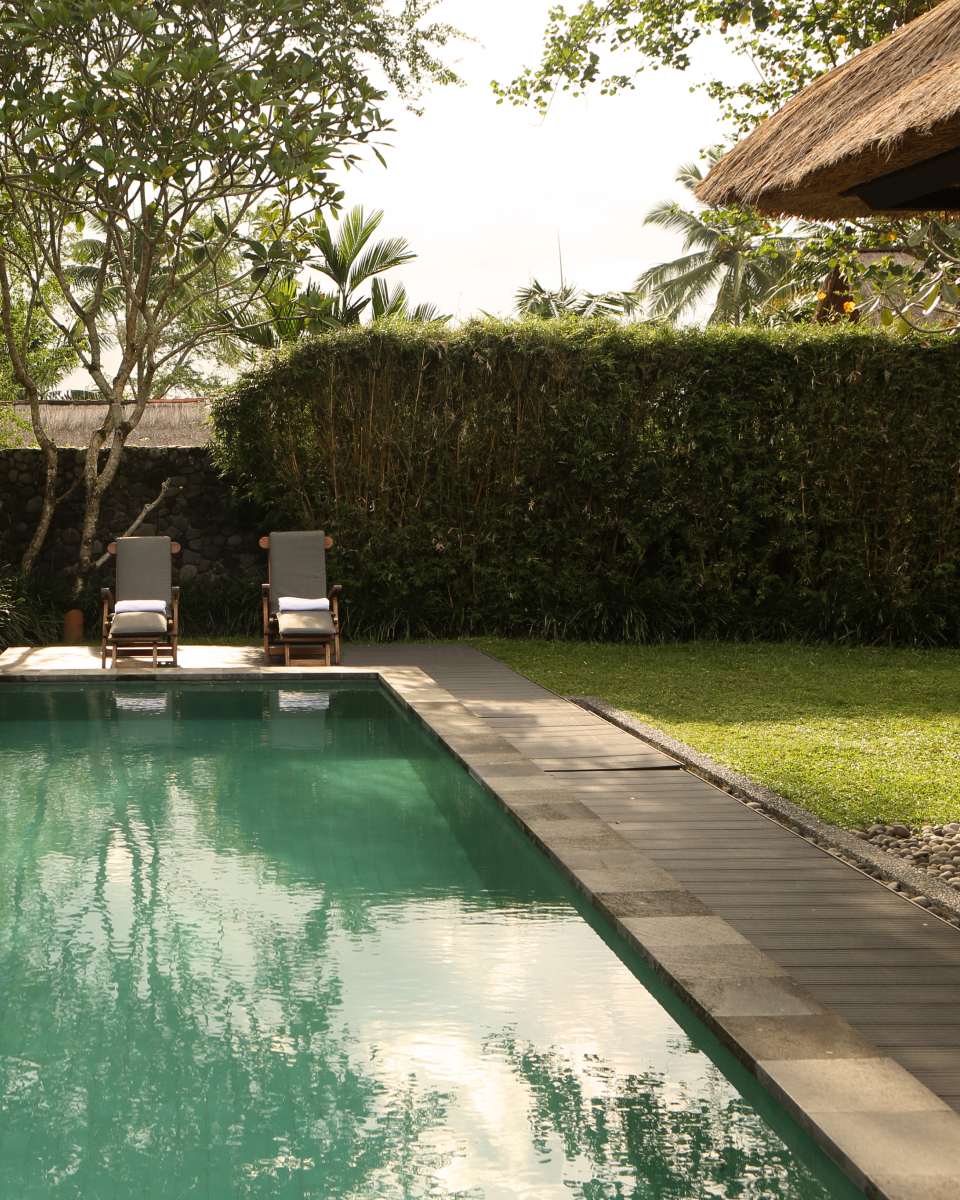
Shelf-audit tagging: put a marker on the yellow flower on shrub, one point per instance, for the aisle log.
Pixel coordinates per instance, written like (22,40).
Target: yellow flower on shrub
(849,306)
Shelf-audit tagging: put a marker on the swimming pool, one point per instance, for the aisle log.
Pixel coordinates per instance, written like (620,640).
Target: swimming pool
(272,941)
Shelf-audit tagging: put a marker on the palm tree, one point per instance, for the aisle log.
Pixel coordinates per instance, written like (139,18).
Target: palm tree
(349,261)
(288,311)
(739,258)
(535,300)
(284,314)
(387,303)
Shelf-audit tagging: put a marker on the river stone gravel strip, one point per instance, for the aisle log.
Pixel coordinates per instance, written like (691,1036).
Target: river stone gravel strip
(921,865)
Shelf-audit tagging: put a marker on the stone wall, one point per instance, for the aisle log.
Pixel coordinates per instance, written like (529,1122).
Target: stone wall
(197,514)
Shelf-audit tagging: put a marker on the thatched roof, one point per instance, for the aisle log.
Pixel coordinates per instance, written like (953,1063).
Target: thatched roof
(890,108)
(164,423)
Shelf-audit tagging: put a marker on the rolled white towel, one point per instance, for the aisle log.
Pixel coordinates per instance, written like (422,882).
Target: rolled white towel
(298,604)
(141,606)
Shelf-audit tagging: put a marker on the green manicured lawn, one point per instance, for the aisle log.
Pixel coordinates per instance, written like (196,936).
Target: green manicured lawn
(856,735)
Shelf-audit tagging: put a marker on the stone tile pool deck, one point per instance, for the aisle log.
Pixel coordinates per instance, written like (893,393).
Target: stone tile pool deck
(840,996)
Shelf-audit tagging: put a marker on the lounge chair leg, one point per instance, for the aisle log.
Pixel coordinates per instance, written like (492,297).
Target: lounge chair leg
(326,647)
(336,649)
(174,651)
(266,652)
(113,661)
(103,655)
(286,653)
(154,653)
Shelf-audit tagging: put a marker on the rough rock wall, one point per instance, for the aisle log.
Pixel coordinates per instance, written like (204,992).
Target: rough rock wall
(196,515)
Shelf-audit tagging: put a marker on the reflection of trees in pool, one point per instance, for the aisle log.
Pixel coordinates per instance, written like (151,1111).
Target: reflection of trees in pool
(212,1003)
(647,1135)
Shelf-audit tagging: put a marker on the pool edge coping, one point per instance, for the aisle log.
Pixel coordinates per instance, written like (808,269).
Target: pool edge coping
(892,1136)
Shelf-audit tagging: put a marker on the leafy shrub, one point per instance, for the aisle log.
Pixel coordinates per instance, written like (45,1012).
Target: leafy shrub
(587,479)
(227,608)
(32,608)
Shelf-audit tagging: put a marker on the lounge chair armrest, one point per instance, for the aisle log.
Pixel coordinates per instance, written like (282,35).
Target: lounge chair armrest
(334,598)
(265,592)
(175,595)
(107,597)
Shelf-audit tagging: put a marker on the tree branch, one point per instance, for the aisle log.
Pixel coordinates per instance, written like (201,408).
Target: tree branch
(139,521)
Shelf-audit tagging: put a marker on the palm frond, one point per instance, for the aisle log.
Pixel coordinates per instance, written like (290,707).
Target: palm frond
(689,174)
(387,303)
(685,291)
(653,277)
(667,214)
(381,256)
(429,314)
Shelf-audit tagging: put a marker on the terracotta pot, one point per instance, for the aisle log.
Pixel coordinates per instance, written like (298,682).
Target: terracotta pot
(73,626)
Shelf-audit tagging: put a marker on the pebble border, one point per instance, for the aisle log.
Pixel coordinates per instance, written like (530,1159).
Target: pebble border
(914,885)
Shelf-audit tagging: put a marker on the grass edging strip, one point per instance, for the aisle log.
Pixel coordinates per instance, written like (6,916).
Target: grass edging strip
(914,885)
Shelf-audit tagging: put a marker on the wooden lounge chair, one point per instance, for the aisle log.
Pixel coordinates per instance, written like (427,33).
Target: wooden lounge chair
(143,577)
(298,571)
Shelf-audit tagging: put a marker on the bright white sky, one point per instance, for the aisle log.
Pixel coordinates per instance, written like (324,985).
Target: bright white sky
(481,191)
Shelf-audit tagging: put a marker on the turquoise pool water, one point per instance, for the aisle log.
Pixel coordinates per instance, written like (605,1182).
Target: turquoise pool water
(272,942)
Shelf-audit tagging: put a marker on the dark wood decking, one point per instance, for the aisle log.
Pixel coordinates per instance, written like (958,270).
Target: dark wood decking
(885,965)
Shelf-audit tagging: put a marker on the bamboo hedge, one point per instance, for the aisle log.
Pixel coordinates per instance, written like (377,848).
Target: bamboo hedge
(593,480)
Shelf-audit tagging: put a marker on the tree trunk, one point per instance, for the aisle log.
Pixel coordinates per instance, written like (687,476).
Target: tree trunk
(46,512)
(49,448)
(97,481)
(836,293)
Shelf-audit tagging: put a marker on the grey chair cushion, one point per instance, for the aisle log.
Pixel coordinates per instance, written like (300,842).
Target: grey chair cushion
(306,624)
(144,570)
(138,624)
(298,566)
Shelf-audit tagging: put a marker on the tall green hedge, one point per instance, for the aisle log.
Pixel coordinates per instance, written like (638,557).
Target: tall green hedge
(588,479)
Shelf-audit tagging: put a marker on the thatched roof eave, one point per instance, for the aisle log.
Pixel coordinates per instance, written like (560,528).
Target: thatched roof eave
(891,107)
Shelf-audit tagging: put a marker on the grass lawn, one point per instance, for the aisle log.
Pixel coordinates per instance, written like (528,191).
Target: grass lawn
(856,735)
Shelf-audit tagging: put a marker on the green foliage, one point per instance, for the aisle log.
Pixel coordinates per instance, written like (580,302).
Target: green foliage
(741,261)
(166,126)
(590,479)
(786,44)
(348,259)
(289,310)
(393,304)
(32,607)
(15,429)
(534,300)
(229,608)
